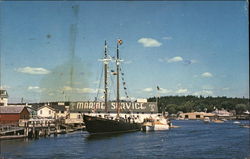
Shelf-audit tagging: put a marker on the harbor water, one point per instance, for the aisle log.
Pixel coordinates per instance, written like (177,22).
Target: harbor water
(192,140)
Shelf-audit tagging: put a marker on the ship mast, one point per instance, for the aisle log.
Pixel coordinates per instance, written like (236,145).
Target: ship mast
(117,78)
(106,60)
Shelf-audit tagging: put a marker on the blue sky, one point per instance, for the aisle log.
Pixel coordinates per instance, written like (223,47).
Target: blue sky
(50,50)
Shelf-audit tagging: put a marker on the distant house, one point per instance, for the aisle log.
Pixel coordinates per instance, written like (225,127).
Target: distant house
(52,111)
(222,113)
(12,114)
(195,115)
(32,111)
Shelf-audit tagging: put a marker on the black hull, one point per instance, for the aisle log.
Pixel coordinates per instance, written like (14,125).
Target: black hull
(98,125)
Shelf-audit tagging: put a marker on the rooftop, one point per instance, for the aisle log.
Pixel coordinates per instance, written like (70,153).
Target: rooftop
(11,109)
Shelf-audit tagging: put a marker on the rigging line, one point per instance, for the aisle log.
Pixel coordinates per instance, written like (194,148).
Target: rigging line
(98,90)
(126,84)
(112,81)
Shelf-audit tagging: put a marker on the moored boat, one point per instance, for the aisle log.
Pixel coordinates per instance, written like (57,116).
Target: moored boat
(206,120)
(159,123)
(148,125)
(108,124)
(218,121)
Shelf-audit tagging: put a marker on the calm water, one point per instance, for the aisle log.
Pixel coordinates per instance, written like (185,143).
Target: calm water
(194,140)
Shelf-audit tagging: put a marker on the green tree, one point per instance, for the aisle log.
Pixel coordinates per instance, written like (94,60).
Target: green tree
(240,108)
(171,108)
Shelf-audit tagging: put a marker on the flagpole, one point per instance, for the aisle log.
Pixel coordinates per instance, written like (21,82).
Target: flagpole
(157,95)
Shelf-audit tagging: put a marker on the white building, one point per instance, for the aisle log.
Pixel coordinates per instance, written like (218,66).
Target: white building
(3,97)
(222,113)
(52,111)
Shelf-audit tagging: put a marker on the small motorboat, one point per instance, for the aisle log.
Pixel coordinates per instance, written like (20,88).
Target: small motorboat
(148,125)
(218,121)
(159,123)
(206,120)
(236,122)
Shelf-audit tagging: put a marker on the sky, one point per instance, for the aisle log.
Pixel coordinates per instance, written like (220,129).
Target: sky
(50,49)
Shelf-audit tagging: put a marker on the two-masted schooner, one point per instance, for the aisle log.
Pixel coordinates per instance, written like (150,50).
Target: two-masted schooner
(109,124)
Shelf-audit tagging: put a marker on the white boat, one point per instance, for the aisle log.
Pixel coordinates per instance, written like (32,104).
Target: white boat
(236,122)
(206,120)
(148,125)
(159,123)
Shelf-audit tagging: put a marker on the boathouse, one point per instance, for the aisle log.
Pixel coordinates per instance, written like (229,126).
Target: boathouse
(12,114)
(195,115)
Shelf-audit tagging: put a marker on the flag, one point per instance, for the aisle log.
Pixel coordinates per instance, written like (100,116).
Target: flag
(158,88)
(119,41)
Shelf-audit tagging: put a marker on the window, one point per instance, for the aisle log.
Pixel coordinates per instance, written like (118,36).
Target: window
(198,116)
(62,111)
(79,116)
(41,111)
(49,111)
(186,116)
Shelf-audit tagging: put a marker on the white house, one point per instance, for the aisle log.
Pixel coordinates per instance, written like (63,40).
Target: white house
(52,111)
(222,113)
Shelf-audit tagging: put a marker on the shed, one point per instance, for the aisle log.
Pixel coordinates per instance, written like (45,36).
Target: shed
(12,114)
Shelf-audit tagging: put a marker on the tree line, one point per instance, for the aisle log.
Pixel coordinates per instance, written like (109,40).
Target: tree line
(174,104)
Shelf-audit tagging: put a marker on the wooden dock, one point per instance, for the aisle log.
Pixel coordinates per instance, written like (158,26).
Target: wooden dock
(9,137)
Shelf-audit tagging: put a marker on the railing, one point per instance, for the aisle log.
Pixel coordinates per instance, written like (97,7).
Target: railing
(37,122)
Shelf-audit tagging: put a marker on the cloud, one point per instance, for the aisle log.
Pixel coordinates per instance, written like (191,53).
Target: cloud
(5,87)
(204,93)
(163,91)
(225,89)
(207,87)
(67,88)
(147,90)
(175,59)
(35,89)
(207,74)
(149,42)
(86,90)
(167,38)
(33,70)
(181,90)
(80,90)
(127,62)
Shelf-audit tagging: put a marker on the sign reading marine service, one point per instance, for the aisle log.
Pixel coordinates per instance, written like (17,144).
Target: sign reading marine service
(125,107)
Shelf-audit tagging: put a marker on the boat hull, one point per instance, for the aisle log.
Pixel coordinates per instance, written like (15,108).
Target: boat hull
(161,127)
(147,128)
(98,125)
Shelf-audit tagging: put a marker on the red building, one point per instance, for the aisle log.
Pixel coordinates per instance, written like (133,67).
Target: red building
(12,114)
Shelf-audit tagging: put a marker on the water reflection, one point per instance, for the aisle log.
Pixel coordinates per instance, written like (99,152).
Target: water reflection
(93,137)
